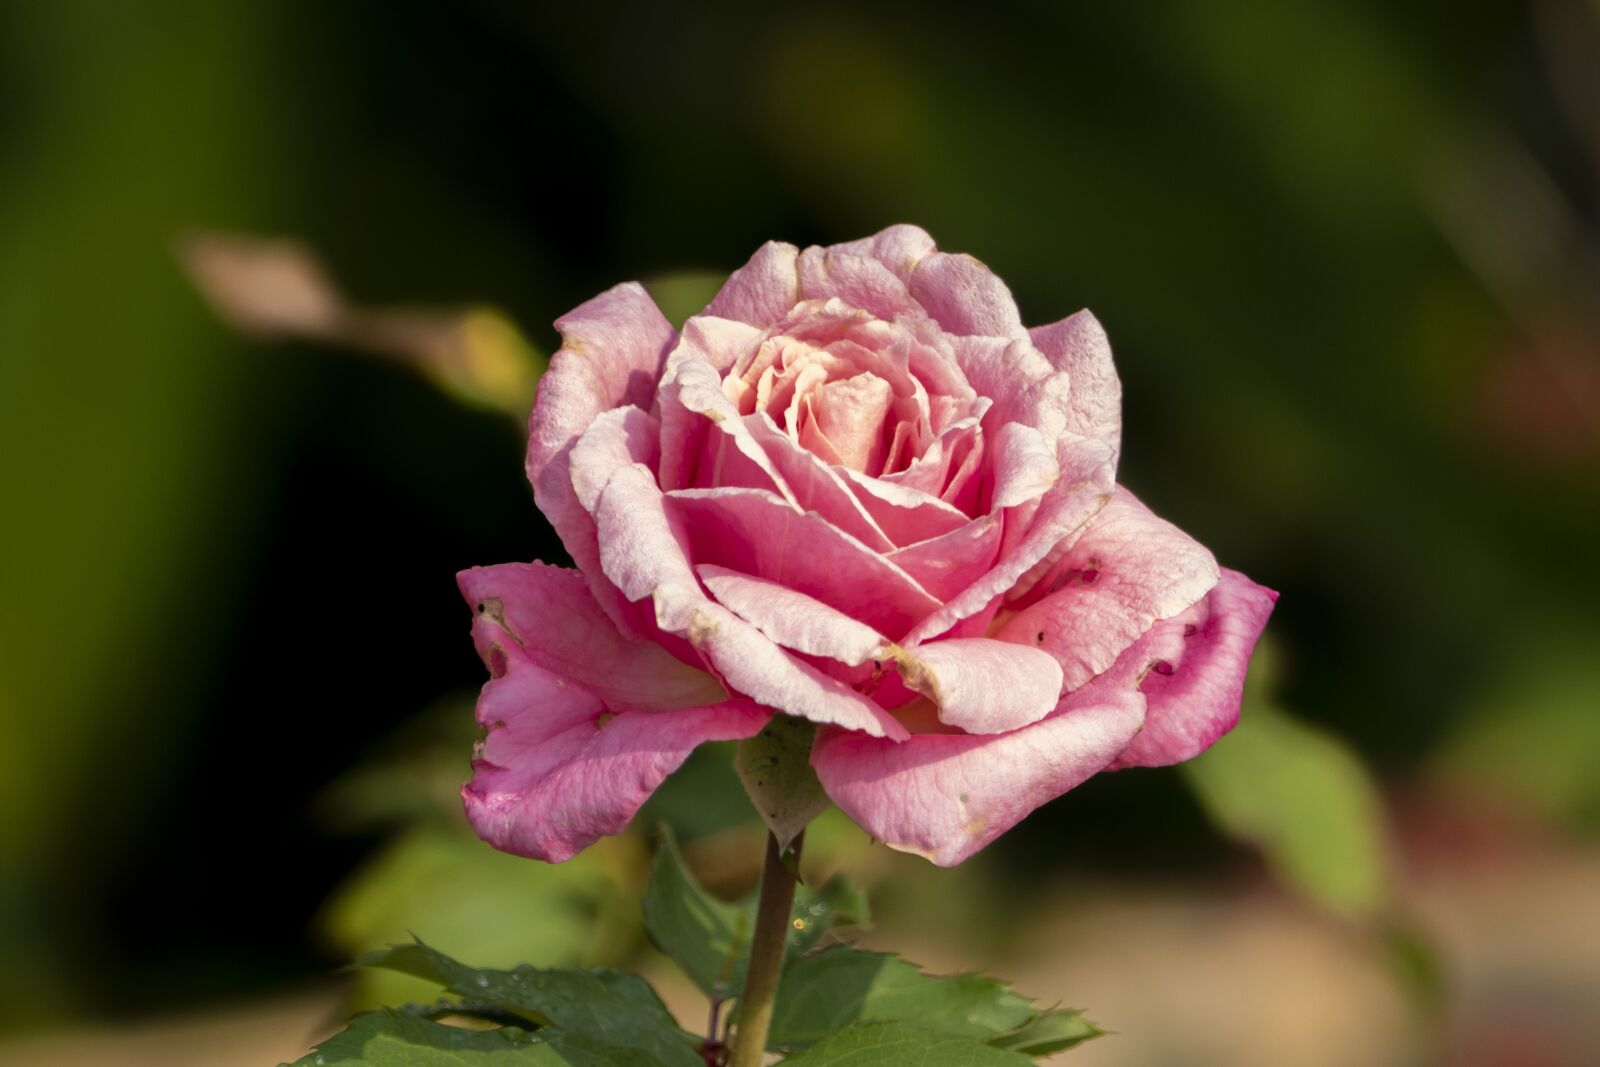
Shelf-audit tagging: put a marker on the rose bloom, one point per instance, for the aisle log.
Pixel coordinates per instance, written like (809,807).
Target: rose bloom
(857,490)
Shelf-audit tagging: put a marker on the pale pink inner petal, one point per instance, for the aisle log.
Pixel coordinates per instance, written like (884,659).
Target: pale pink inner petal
(793,619)
(850,413)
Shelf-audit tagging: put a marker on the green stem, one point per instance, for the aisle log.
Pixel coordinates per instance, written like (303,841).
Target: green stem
(766,958)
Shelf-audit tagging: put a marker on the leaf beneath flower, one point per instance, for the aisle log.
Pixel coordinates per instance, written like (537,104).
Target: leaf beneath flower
(898,1045)
(616,1009)
(710,938)
(391,1038)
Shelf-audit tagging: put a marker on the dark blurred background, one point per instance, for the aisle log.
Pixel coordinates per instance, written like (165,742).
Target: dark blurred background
(1347,257)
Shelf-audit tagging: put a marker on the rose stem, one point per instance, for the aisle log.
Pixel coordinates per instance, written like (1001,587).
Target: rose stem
(766,958)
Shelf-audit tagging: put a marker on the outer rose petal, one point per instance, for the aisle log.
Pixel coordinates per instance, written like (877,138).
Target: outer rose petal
(860,280)
(945,796)
(899,247)
(763,290)
(611,355)
(1194,689)
(556,772)
(1127,570)
(548,615)
(1078,345)
(965,297)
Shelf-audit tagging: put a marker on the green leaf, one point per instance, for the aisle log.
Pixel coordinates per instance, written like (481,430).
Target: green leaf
(775,768)
(898,1045)
(390,1038)
(1305,799)
(839,986)
(1049,1031)
(710,938)
(614,1008)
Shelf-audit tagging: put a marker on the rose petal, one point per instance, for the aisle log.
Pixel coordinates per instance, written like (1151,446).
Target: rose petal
(763,290)
(1025,466)
(557,771)
(899,247)
(1025,388)
(965,297)
(708,339)
(851,413)
(859,280)
(548,615)
(1127,570)
(1199,662)
(793,619)
(756,533)
(1078,345)
(613,440)
(981,685)
(814,484)
(945,796)
(644,552)
(704,439)
(947,564)
(904,514)
(612,349)
(1083,489)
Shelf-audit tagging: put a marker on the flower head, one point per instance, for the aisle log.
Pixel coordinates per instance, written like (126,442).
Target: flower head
(857,490)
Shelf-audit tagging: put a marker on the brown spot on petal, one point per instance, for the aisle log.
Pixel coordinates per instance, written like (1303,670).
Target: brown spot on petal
(494,657)
(603,718)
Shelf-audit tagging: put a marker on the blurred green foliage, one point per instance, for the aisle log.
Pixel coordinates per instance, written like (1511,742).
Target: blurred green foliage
(1344,252)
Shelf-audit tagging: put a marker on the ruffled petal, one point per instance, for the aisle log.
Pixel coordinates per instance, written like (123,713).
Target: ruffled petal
(899,247)
(1196,666)
(859,280)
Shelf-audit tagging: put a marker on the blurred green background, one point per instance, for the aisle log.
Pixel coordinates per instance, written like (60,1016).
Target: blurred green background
(1346,254)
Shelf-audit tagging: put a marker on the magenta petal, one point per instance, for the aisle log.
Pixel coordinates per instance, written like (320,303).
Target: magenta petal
(981,685)
(1127,570)
(965,297)
(1196,667)
(1078,345)
(945,796)
(556,771)
(793,619)
(763,290)
(548,615)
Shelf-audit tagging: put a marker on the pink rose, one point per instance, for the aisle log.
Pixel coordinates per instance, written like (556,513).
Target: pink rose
(855,489)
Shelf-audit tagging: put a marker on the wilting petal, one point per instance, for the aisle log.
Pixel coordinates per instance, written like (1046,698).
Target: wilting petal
(965,297)
(763,290)
(1127,570)
(644,552)
(981,685)
(556,771)
(1078,345)
(548,615)
(793,619)
(945,796)
(756,533)
(1196,679)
